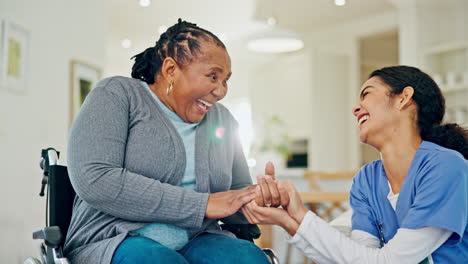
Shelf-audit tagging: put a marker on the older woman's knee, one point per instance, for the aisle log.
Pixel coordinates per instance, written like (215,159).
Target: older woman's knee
(143,250)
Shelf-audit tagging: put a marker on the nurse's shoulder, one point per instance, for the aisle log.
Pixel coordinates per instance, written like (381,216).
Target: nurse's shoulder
(443,161)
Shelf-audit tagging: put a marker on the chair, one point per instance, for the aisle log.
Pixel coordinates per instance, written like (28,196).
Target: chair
(59,205)
(335,198)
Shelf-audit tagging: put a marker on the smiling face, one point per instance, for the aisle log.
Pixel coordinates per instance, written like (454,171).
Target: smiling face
(377,113)
(198,85)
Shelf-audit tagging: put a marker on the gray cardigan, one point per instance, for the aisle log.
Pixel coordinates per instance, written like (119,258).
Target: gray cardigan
(126,160)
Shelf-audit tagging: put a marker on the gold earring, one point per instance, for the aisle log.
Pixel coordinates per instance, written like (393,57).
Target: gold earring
(169,89)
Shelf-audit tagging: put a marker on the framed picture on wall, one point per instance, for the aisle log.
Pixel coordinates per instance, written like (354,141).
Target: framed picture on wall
(14,57)
(83,78)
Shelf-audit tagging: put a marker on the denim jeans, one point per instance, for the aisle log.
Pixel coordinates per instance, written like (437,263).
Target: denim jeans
(206,249)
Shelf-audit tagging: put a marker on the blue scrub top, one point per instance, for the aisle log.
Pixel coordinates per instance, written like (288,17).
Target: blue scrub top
(434,194)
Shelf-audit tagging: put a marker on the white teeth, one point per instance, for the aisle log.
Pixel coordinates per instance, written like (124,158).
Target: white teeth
(208,105)
(362,119)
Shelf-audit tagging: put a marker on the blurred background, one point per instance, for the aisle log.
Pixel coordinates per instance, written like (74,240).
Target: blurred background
(297,68)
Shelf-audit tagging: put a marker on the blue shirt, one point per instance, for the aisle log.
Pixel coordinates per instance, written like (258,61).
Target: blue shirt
(187,131)
(434,194)
(169,235)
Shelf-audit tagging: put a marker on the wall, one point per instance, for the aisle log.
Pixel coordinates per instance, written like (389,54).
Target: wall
(39,118)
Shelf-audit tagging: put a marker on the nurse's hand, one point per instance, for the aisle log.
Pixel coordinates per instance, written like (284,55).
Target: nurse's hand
(269,216)
(267,193)
(296,208)
(223,204)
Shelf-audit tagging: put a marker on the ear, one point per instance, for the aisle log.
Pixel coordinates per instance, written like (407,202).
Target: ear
(404,99)
(169,69)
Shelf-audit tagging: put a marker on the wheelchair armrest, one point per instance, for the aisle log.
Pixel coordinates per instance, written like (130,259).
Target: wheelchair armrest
(243,231)
(271,254)
(51,235)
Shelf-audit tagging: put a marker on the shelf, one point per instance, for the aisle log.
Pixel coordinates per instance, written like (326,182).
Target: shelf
(448,65)
(446,47)
(449,58)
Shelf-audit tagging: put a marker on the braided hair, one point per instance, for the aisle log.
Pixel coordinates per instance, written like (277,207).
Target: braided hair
(181,42)
(431,106)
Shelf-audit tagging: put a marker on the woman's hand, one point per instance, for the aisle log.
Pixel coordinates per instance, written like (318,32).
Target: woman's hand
(267,192)
(269,216)
(223,204)
(295,207)
(285,192)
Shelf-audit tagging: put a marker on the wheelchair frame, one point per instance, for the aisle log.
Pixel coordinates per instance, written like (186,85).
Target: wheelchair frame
(59,196)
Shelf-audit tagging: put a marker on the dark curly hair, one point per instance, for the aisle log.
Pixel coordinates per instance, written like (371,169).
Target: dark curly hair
(181,42)
(431,106)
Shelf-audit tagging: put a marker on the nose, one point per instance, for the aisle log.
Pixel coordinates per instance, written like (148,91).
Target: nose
(219,92)
(356,109)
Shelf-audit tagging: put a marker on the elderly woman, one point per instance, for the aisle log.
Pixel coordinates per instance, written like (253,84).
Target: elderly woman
(156,161)
(409,207)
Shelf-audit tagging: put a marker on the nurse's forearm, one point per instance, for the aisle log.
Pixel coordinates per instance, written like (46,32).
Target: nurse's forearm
(407,246)
(290,225)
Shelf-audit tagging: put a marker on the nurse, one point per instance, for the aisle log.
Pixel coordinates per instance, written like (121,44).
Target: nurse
(411,206)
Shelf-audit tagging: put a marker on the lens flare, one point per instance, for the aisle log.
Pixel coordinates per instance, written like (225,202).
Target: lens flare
(219,132)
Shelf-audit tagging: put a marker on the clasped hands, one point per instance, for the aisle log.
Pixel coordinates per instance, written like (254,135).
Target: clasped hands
(268,202)
(275,203)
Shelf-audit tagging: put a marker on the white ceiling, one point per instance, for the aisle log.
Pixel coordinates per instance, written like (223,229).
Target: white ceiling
(308,15)
(236,19)
(127,19)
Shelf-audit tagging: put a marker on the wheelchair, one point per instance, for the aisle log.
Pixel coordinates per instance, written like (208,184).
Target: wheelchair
(57,188)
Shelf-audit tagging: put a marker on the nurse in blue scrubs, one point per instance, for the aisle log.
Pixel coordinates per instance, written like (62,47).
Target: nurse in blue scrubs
(411,206)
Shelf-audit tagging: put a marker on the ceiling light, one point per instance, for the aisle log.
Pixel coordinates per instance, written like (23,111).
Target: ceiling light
(126,43)
(145,3)
(340,2)
(275,40)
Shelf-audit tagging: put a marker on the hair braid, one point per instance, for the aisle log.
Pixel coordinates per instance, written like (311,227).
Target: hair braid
(182,42)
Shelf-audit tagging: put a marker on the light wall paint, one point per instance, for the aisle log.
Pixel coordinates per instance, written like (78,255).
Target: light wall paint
(39,118)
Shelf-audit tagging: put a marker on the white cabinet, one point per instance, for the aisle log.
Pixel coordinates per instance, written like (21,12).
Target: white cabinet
(448,65)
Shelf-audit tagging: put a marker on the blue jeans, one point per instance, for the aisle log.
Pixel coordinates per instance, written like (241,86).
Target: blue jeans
(204,249)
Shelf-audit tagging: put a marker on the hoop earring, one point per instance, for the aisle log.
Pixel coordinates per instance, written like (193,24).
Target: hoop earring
(169,89)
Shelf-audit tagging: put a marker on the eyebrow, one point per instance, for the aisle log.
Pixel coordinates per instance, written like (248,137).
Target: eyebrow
(216,68)
(365,88)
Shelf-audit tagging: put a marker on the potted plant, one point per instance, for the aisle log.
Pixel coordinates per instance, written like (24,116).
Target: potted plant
(274,143)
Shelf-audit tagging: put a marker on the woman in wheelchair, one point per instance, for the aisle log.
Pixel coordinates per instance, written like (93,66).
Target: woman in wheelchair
(156,161)
(411,206)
